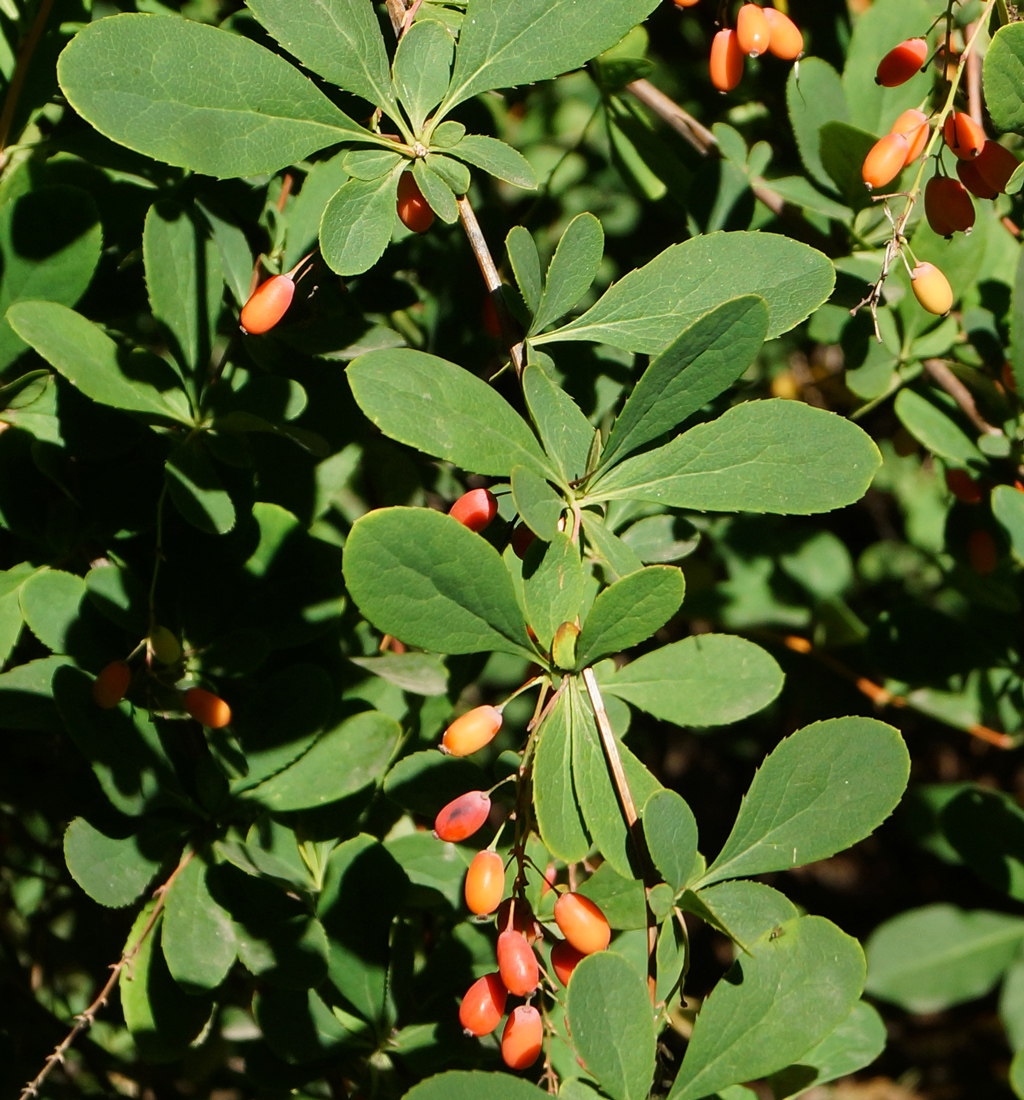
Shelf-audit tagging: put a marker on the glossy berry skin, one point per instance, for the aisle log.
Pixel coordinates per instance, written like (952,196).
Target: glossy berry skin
(913,125)
(517,964)
(267,304)
(206,708)
(109,688)
(948,206)
(523,1038)
(485,883)
(885,160)
(996,165)
(963,135)
(685,3)
(973,180)
(413,208)
(483,1005)
(471,731)
(963,486)
(931,288)
(726,64)
(785,39)
(462,816)
(901,63)
(982,552)
(564,959)
(752,31)
(582,923)
(475,509)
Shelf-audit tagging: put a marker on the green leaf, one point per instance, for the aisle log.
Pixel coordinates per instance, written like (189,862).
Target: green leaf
(761,456)
(502,45)
(437,193)
(436,868)
(341,762)
(612,1025)
(52,604)
(195,96)
(537,502)
(701,363)
(630,611)
(424,578)
(472,1085)
(497,159)
(453,172)
(361,164)
(424,782)
(235,255)
(447,135)
(802,982)
(746,911)
(566,433)
(671,833)
(558,812)
(197,490)
(88,358)
(554,588)
(621,899)
(986,830)
(339,39)
(525,261)
(1015,351)
(1003,74)
(299,1027)
(418,673)
(572,269)
(358,222)
(198,935)
(111,871)
(822,789)
(932,428)
(618,556)
(422,68)
(50,241)
(814,96)
(648,308)
(1008,508)
(704,680)
(437,407)
(928,959)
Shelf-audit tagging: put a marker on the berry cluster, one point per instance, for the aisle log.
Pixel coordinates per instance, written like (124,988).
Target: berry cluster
(758,31)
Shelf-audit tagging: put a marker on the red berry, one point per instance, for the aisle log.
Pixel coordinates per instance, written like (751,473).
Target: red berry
(483,1005)
(784,38)
(517,964)
(413,208)
(931,288)
(109,688)
(206,708)
(485,883)
(267,304)
(471,731)
(963,486)
(982,552)
(564,958)
(582,923)
(901,63)
(973,180)
(523,1038)
(462,816)
(726,64)
(522,540)
(963,135)
(996,165)
(475,509)
(752,31)
(913,125)
(885,160)
(948,206)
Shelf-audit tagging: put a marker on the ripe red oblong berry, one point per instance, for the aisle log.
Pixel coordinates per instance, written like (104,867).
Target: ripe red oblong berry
(996,165)
(963,135)
(109,688)
(564,960)
(471,731)
(462,816)
(726,64)
(483,1005)
(948,206)
(475,509)
(913,125)
(206,708)
(785,39)
(901,63)
(963,486)
(972,179)
(982,552)
(582,923)
(523,1038)
(752,31)
(686,3)
(517,964)
(931,288)
(485,883)
(267,304)
(885,160)
(413,208)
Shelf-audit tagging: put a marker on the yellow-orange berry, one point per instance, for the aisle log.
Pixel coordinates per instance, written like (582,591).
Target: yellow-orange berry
(564,960)
(901,63)
(523,1038)
(752,31)
(109,688)
(885,160)
(483,1005)
(267,304)
(462,816)
(785,39)
(996,165)
(982,552)
(913,125)
(206,708)
(475,509)
(471,731)
(485,883)
(948,206)
(582,923)
(517,964)
(931,288)
(963,135)
(685,3)
(726,64)
(413,208)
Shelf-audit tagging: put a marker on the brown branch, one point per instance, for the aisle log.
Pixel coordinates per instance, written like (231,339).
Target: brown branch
(25,52)
(85,1019)
(684,124)
(396,13)
(960,394)
(974,81)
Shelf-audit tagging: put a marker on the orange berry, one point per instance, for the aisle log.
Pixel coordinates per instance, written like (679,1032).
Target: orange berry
(483,1005)
(901,63)
(413,208)
(963,135)
(517,964)
(485,883)
(752,31)
(206,708)
(475,509)
(885,160)
(523,919)
(784,37)
(471,731)
(913,125)
(564,958)
(996,165)
(462,816)
(726,64)
(523,1038)
(973,180)
(685,3)
(109,688)
(582,923)
(963,486)
(931,288)
(948,206)
(267,304)
(982,552)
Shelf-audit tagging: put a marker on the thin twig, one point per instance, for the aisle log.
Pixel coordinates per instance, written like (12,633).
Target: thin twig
(25,52)
(396,13)
(85,1019)
(960,394)
(974,82)
(684,124)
